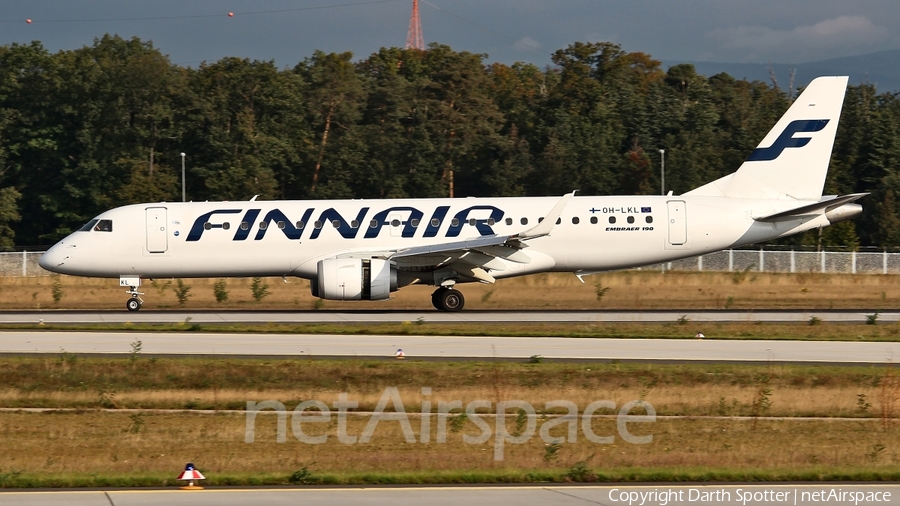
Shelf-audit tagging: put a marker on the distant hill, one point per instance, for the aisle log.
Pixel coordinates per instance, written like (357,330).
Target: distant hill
(881,69)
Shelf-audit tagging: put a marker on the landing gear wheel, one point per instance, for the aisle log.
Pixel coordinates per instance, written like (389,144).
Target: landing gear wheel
(133,304)
(436,298)
(450,300)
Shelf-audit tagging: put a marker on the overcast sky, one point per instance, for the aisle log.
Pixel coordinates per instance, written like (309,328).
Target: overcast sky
(191,31)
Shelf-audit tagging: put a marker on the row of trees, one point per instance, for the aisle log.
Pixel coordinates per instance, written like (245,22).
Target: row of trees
(85,130)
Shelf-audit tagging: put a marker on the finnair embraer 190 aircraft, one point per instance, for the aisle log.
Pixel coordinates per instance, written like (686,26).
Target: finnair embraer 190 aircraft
(366,249)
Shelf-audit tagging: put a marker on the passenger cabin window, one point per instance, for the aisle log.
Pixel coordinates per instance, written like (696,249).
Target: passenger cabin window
(631,219)
(509,221)
(87,227)
(226,226)
(649,219)
(575,220)
(593,220)
(524,221)
(245,225)
(435,222)
(612,220)
(103,226)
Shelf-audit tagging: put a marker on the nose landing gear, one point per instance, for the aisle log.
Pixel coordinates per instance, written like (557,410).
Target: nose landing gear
(448,299)
(132,282)
(135,302)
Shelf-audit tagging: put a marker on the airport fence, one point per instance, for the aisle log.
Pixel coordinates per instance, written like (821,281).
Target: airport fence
(25,263)
(22,263)
(761,260)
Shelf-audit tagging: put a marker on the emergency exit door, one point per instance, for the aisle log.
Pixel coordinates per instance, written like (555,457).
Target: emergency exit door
(157,240)
(396,224)
(677,222)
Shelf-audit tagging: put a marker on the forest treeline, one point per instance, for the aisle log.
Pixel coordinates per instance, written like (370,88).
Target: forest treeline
(84,130)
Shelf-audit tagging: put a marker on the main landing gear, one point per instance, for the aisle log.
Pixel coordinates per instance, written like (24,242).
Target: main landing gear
(448,299)
(135,302)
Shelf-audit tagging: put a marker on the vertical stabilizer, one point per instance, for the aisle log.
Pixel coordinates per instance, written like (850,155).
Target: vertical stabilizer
(792,160)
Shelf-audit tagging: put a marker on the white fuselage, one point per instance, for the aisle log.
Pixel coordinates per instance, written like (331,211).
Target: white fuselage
(366,249)
(225,239)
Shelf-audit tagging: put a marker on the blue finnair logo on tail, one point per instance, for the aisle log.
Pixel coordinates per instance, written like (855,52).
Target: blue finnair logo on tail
(787,139)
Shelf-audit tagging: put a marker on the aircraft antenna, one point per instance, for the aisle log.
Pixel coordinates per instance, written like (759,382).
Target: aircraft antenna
(414,38)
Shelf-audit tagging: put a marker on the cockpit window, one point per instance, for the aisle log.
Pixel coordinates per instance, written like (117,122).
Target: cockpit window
(103,226)
(88,226)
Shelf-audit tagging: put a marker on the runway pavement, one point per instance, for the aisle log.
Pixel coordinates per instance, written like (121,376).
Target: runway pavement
(587,316)
(486,347)
(805,494)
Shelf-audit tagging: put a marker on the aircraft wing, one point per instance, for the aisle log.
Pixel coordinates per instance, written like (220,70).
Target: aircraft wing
(449,247)
(471,258)
(475,257)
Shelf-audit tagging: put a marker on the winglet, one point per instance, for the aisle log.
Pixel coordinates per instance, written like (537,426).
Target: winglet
(544,227)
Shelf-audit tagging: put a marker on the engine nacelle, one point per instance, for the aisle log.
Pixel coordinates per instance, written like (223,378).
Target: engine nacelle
(354,279)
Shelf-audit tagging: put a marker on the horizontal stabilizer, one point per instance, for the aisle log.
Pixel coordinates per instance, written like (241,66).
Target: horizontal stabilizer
(824,206)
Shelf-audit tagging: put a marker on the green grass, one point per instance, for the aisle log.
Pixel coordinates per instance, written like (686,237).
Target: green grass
(69,372)
(14,480)
(194,383)
(112,448)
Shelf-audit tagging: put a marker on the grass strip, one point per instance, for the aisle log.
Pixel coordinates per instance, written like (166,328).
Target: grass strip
(644,289)
(213,383)
(815,331)
(576,474)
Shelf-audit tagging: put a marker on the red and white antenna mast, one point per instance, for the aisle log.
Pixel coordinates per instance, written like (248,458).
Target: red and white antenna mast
(414,39)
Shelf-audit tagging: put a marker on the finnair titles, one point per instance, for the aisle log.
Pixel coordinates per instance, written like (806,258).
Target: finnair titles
(367,249)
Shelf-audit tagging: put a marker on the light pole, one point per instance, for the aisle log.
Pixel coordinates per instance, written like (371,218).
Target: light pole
(662,171)
(182,179)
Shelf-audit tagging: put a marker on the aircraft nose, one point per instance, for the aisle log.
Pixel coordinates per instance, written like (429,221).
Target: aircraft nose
(54,258)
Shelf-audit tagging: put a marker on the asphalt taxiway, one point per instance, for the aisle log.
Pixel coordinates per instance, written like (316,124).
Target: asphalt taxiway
(678,495)
(448,347)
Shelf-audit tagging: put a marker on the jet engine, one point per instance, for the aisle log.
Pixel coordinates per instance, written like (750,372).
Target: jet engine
(354,279)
